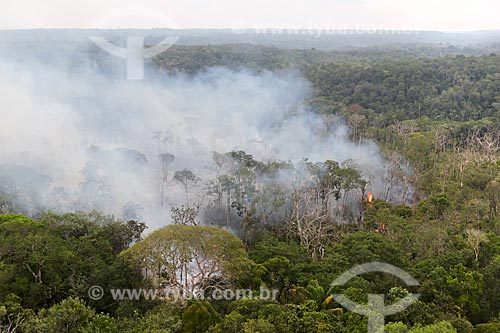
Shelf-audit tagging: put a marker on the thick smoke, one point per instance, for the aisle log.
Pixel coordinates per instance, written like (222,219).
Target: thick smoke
(82,139)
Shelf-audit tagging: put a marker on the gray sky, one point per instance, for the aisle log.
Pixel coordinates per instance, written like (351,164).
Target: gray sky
(444,15)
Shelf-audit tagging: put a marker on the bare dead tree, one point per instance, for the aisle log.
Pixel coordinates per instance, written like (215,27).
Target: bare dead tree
(14,321)
(404,129)
(475,238)
(310,223)
(488,144)
(442,139)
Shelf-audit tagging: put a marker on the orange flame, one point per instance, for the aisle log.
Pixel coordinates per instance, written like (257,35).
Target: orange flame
(370,197)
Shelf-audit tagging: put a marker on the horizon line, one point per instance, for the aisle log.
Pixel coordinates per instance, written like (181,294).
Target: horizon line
(249,29)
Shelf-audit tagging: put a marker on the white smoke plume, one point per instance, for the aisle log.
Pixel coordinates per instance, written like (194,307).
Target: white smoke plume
(81,139)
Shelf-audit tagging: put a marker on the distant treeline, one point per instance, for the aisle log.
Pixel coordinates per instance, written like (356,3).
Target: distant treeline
(396,84)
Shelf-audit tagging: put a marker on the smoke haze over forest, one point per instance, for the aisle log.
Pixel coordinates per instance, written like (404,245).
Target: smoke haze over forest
(76,137)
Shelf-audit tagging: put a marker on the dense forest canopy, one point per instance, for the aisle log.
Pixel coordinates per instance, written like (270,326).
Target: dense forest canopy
(396,84)
(380,154)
